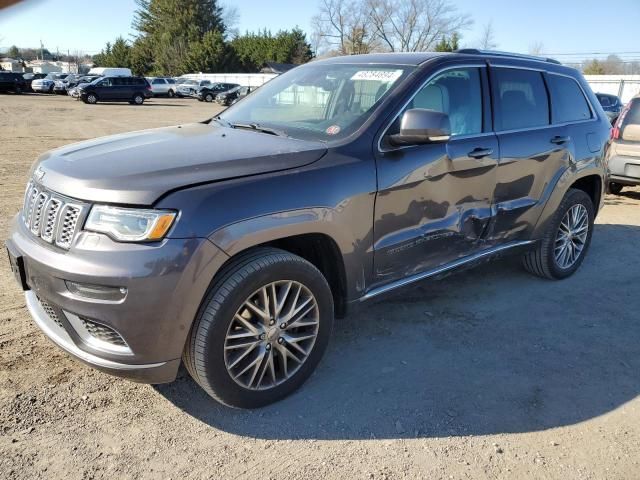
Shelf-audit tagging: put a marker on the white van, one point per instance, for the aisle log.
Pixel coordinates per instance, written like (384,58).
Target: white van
(111,72)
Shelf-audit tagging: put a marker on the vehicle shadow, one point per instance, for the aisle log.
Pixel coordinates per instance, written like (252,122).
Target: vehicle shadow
(494,350)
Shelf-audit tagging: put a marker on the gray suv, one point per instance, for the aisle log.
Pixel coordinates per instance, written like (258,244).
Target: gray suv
(230,245)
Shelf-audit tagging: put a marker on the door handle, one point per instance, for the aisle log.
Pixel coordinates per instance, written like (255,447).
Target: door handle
(480,152)
(560,139)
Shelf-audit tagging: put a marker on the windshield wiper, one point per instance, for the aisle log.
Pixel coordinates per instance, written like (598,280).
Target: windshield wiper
(259,128)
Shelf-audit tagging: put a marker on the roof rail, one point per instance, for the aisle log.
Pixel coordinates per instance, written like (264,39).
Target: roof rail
(497,53)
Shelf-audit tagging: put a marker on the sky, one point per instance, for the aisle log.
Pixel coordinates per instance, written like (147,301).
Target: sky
(563,27)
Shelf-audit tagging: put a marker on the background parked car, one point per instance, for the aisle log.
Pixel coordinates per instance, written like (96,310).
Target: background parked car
(30,77)
(623,154)
(188,87)
(116,89)
(208,93)
(611,105)
(47,84)
(162,86)
(12,82)
(72,86)
(232,96)
(60,86)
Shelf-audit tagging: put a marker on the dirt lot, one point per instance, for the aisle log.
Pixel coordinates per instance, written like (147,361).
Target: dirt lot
(488,374)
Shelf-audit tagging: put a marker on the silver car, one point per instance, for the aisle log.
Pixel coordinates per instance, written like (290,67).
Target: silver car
(189,87)
(162,86)
(623,154)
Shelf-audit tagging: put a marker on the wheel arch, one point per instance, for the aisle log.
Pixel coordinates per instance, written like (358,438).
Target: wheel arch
(589,181)
(307,236)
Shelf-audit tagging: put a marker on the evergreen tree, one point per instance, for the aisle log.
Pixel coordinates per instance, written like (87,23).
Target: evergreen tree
(171,28)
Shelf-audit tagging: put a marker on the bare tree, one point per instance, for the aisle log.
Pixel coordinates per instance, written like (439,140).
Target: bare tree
(414,25)
(343,26)
(536,48)
(231,19)
(487,40)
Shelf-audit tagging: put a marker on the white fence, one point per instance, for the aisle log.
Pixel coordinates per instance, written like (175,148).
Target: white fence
(244,79)
(624,86)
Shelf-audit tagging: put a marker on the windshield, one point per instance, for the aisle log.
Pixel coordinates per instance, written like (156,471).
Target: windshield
(318,101)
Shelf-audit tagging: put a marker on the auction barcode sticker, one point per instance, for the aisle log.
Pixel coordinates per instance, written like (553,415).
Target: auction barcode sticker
(378,75)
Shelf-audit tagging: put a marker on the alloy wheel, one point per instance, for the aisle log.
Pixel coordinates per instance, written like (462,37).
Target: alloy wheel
(271,335)
(572,236)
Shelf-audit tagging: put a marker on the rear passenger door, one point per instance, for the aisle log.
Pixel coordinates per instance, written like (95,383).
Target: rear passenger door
(533,152)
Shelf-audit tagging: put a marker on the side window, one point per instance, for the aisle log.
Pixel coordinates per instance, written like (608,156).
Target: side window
(105,83)
(604,100)
(171,81)
(521,99)
(157,81)
(458,93)
(567,100)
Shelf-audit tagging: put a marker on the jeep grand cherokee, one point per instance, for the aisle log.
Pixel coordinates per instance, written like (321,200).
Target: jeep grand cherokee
(231,244)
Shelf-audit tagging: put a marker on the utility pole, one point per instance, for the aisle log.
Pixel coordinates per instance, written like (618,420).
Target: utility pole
(41,50)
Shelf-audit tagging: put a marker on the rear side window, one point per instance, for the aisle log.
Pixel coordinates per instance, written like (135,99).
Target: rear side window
(605,100)
(633,114)
(521,99)
(567,100)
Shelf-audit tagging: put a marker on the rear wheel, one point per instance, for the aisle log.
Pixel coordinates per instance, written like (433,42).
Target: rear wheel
(615,188)
(51,89)
(564,246)
(138,99)
(262,329)
(171,93)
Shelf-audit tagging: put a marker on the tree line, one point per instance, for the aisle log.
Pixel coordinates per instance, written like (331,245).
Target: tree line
(174,37)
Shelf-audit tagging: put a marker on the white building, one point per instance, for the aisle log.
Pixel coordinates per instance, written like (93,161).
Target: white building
(43,66)
(11,65)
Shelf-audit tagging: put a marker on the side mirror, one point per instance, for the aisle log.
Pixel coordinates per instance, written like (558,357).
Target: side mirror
(419,126)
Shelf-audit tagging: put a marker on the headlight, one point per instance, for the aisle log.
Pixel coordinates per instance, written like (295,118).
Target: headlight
(130,224)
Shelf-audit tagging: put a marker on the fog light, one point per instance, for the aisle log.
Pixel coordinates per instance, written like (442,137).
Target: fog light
(98,292)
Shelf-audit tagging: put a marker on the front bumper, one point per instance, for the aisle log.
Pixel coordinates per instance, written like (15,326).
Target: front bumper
(165,284)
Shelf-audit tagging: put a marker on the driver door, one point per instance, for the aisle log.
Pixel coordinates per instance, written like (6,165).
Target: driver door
(433,204)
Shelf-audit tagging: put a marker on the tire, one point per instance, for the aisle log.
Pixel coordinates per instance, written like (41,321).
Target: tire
(51,89)
(615,188)
(18,90)
(171,94)
(542,261)
(138,99)
(207,355)
(208,98)
(92,99)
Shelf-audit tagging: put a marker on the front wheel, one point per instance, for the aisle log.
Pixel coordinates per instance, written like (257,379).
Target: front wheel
(138,99)
(563,248)
(208,98)
(171,93)
(92,99)
(262,329)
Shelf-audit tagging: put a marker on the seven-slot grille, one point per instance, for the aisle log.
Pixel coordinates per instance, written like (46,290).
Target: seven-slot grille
(50,216)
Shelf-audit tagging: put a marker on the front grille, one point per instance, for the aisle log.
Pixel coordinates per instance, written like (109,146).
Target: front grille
(50,216)
(102,332)
(50,311)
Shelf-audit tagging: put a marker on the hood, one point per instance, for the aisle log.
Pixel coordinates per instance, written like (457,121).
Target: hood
(137,168)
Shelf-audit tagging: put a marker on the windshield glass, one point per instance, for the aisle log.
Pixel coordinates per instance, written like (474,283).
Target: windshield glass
(318,101)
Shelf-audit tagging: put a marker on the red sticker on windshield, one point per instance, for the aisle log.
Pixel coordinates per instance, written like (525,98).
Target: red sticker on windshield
(333,130)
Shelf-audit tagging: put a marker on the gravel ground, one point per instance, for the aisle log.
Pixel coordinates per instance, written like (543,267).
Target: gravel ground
(489,374)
